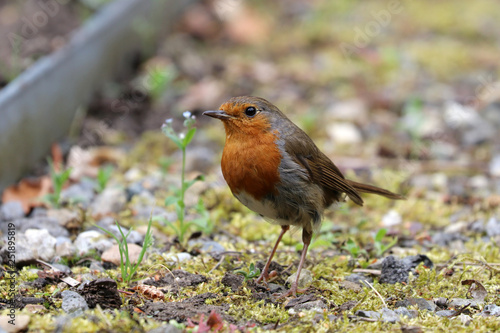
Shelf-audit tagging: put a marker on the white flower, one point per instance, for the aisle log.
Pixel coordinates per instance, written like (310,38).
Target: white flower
(182,136)
(168,121)
(186,114)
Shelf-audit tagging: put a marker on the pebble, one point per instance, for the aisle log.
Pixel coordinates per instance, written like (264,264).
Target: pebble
(37,222)
(91,239)
(35,244)
(175,258)
(350,285)
(62,268)
(358,278)
(344,133)
(64,247)
(112,254)
(21,323)
(206,246)
(80,193)
(422,303)
(110,201)
(391,219)
(460,302)
(66,218)
(465,319)
(305,278)
(11,210)
(495,166)
(445,313)
(317,306)
(404,312)
(367,314)
(491,310)
(390,316)
(394,271)
(73,303)
(493,227)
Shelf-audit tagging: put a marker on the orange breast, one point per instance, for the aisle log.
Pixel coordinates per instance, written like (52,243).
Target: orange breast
(250,163)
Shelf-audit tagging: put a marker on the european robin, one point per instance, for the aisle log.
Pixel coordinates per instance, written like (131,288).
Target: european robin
(276,170)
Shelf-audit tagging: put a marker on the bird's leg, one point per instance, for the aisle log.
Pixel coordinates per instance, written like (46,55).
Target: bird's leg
(265,272)
(306,238)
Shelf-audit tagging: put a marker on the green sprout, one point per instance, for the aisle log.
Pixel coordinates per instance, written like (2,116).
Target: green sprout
(253,272)
(103,176)
(380,247)
(353,248)
(128,269)
(177,199)
(59,178)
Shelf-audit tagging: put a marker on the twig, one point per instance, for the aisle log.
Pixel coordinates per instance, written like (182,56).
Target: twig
(376,292)
(222,258)
(367,271)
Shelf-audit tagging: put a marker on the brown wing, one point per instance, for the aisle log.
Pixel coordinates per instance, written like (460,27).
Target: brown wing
(321,169)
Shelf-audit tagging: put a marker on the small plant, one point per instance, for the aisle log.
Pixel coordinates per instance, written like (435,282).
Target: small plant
(379,246)
(59,178)
(103,176)
(127,268)
(253,272)
(158,79)
(182,141)
(353,248)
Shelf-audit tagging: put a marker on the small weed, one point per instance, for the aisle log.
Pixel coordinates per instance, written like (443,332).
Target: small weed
(127,268)
(182,141)
(158,79)
(353,248)
(103,176)
(379,246)
(253,272)
(59,178)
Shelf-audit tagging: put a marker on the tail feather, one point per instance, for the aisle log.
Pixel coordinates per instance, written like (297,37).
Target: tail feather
(365,188)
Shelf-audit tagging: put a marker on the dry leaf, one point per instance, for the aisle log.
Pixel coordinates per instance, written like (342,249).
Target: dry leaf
(29,192)
(476,290)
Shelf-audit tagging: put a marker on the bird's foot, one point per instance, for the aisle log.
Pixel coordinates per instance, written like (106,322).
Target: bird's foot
(266,277)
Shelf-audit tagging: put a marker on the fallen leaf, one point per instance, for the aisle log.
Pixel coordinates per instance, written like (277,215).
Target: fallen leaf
(476,290)
(28,191)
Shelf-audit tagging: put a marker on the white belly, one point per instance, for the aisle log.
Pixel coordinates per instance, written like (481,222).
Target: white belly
(264,208)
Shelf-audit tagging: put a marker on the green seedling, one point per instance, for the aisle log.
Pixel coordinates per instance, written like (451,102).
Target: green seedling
(253,272)
(158,79)
(128,269)
(353,249)
(59,179)
(103,176)
(177,199)
(380,247)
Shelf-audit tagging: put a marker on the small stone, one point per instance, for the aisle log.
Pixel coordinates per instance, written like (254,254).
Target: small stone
(89,240)
(404,312)
(350,285)
(317,306)
(465,319)
(358,278)
(111,201)
(491,310)
(62,268)
(445,313)
(112,254)
(391,219)
(21,323)
(41,243)
(344,133)
(441,302)
(394,271)
(367,314)
(422,303)
(37,222)
(35,308)
(66,218)
(64,247)
(73,303)
(206,246)
(389,315)
(175,258)
(81,193)
(495,166)
(493,227)
(11,210)
(305,278)
(461,302)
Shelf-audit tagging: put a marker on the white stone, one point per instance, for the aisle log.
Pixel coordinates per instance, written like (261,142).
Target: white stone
(41,243)
(392,218)
(344,133)
(305,278)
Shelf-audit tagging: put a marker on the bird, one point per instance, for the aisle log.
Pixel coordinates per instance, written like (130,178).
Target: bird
(276,170)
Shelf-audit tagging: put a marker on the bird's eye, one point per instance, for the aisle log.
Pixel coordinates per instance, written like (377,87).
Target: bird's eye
(250,111)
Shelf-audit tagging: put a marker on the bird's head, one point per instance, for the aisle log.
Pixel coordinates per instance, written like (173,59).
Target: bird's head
(247,115)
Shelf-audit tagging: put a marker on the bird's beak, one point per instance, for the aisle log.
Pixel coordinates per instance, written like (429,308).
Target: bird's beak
(219,114)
